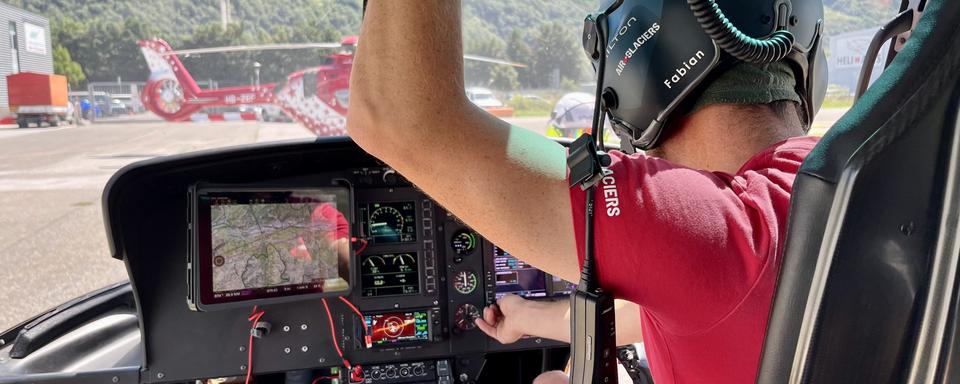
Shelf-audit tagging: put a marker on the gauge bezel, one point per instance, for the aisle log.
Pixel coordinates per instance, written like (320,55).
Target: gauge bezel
(475,238)
(470,272)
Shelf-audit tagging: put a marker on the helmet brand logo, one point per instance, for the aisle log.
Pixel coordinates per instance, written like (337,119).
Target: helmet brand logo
(639,42)
(684,70)
(620,32)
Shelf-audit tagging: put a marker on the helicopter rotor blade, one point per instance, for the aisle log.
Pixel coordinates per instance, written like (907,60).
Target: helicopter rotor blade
(493,61)
(261,47)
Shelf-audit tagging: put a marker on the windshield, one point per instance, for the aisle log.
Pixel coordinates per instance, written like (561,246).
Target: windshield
(526,55)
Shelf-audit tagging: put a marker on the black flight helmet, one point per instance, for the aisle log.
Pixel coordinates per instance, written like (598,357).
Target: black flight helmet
(660,54)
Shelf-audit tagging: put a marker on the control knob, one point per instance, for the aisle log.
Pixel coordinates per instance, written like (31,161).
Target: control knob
(390,177)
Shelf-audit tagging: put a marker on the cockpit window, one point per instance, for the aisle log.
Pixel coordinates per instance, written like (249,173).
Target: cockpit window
(132,80)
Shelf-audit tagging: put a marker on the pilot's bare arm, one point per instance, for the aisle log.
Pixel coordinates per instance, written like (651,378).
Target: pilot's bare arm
(514,317)
(408,108)
(542,320)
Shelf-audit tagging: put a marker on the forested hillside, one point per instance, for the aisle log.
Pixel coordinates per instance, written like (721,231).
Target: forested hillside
(95,40)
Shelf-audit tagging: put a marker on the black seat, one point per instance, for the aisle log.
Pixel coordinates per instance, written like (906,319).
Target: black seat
(865,220)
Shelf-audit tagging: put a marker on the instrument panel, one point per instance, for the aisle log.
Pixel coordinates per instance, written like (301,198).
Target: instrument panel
(261,234)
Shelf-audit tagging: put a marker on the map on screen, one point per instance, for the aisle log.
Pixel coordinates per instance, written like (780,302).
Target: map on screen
(271,245)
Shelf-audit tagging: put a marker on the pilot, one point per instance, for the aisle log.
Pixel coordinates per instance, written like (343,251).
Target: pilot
(689,230)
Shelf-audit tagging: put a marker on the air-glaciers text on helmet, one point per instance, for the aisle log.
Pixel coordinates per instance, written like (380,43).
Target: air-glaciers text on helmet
(639,42)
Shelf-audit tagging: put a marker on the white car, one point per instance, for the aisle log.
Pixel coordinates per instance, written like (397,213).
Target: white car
(483,98)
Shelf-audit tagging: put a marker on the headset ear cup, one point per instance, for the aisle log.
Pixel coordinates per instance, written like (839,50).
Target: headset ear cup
(818,79)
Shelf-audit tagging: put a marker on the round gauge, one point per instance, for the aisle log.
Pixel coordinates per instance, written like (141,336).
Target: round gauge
(464,242)
(374,262)
(386,221)
(404,259)
(465,317)
(465,282)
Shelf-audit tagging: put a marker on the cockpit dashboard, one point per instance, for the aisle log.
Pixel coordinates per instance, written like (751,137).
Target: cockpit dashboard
(281,258)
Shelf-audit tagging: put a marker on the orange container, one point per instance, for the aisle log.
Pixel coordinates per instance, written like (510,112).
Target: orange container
(500,111)
(30,89)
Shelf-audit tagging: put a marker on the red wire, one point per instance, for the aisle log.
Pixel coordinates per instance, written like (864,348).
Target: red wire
(254,317)
(333,333)
(366,327)
(363,245)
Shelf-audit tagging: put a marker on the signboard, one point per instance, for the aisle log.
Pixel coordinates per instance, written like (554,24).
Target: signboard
(36,38)
(846,57)
(847,50)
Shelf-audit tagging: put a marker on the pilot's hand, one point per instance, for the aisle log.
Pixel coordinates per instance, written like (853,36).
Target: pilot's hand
(503,321)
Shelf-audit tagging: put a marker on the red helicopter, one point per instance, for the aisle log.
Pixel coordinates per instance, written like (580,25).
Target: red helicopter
(172,93)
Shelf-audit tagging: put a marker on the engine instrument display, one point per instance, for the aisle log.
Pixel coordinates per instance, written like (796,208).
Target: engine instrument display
(390,223)
(399,327)
(257,244)
(390,274)
(464,242)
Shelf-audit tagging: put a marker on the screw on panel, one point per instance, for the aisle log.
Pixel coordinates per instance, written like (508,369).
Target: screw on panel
(304,348)
(907,229)
(160,375)
(321,360)
(303,327)
(286,350)
(243,348)
(286,328)
(115,379)
(464,377)
(243,367)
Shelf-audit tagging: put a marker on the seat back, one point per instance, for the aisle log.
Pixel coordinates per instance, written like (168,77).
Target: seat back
(864,219)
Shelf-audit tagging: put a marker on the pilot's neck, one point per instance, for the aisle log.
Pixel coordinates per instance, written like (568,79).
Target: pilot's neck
(723,137)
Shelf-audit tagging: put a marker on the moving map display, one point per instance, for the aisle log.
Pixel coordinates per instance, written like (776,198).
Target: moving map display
(263,244)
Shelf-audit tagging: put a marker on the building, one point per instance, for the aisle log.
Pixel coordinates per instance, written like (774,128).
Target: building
(27,47)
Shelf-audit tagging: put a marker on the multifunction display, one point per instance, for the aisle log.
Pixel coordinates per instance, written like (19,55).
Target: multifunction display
(517,277)
(389,223)
(260,244)
(513,276)
(399,327)
(390,274)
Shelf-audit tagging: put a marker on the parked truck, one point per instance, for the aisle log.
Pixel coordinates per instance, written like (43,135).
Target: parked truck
(38,98)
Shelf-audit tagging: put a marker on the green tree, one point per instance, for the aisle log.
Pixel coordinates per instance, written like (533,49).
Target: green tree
(519,51)
(478,40)
(559,56)
(64,65)
(504,78)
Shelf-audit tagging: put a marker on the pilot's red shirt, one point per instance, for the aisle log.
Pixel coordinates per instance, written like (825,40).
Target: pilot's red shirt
(699,252)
